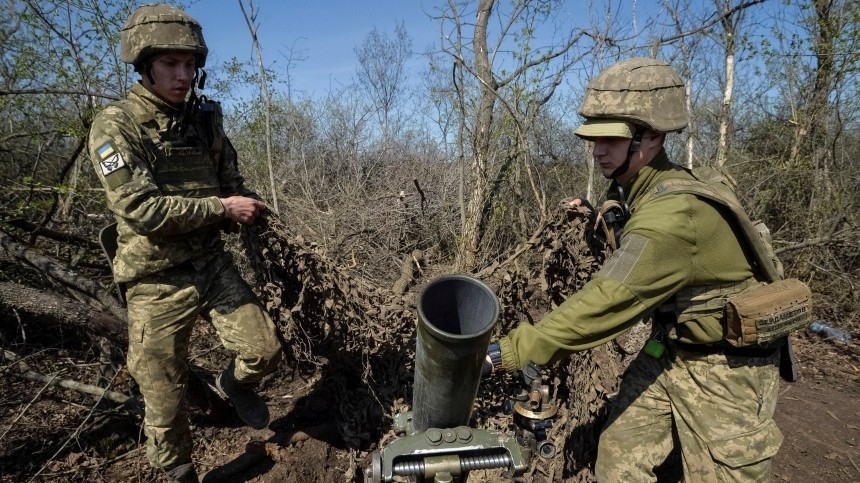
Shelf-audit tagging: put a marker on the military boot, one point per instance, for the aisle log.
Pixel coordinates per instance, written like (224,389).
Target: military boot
(181,474)
(250,407)
(205,397)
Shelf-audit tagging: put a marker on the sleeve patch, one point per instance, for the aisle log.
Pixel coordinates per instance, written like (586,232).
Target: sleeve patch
(112,164)
(109,159)
(622,262)
(105,150)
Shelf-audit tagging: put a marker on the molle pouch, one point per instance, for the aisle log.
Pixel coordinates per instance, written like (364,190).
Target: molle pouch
(764,313)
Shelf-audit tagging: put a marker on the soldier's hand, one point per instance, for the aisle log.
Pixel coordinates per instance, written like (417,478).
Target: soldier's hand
(243,209)
(576,201)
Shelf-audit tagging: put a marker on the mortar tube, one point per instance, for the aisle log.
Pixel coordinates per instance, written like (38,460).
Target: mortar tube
(456,315)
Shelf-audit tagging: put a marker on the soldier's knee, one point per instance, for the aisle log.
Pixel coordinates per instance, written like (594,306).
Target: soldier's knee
(610,440)
(616,458)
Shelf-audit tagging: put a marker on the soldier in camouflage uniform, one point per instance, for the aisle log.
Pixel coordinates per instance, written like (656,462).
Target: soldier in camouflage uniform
(678,258)
(171,179)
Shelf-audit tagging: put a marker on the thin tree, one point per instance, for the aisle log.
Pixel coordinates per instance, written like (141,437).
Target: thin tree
(730,21)
(729,17)
(264,89)
(382,70)
(487,168)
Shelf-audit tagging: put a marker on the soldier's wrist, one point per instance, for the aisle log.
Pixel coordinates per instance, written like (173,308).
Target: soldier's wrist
(494,352)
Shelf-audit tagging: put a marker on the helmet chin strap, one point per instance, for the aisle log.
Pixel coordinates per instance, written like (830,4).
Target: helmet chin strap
(199,78)
(147,70)
(634,147)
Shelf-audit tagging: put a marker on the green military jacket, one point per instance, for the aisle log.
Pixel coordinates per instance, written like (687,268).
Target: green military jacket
(670,244)
(163,172)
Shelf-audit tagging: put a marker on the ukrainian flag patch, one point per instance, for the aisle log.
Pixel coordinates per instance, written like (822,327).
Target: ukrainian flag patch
(109,159)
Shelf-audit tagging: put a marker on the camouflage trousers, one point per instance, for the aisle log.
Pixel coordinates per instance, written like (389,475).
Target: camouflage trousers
(162,309)
(717,409)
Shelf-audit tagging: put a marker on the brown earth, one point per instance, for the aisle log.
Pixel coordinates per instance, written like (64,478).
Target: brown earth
(54,435)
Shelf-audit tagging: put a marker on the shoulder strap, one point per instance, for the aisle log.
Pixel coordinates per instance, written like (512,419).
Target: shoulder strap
(134,110)
(707,183)
(210,119)
(142,117)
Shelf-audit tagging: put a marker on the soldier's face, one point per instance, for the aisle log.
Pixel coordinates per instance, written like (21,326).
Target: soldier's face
(610,153)
(172,73)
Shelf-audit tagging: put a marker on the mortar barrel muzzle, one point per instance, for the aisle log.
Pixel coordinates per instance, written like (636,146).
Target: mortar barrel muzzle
(456,315)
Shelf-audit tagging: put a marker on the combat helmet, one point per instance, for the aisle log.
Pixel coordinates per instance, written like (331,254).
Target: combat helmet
(156,27)
(640,91)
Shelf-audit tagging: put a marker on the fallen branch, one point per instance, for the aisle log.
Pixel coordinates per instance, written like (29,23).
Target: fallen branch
(74,435)
(522,248)
(82,288)
(35,304)
(59,236)
(25,372)
(410,263)
(836,238)
(23,411)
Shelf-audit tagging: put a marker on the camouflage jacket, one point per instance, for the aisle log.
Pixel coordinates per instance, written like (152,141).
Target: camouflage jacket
(671,245)
(163,171)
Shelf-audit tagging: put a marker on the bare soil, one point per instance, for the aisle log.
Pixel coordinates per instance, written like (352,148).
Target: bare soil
(51,434)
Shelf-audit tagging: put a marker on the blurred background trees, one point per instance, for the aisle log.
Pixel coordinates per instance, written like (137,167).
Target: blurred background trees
(467,158)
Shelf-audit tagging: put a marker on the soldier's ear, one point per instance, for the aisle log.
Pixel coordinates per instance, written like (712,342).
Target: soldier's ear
(652,141)
(657,137)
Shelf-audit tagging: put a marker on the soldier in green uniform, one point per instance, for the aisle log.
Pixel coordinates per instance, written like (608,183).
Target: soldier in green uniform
(678,259)
(172,182)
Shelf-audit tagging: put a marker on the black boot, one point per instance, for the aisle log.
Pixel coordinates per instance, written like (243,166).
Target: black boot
(181,474)
(250,407)
(205,397)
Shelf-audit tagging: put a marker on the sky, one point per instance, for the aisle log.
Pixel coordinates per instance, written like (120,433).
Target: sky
(323,32)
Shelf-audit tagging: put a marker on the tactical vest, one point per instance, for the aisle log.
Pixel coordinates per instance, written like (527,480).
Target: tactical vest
(757,311)
(183,160)
(709,184)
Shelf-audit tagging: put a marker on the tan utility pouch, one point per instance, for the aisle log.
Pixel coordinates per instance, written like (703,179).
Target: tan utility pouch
(764,313)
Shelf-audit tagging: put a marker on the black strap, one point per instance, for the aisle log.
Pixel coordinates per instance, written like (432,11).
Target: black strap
(727,349)
(634,147)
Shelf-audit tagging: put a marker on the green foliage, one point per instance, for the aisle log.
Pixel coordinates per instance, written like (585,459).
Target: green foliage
(59,65)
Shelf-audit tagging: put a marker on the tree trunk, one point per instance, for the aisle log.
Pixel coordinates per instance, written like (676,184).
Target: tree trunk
(811,127)
(30,303)
(81,288)
(730,24)
(473,226)
(725,111)
(267,102)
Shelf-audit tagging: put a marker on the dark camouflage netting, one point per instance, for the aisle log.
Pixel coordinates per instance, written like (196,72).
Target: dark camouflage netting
(361,337)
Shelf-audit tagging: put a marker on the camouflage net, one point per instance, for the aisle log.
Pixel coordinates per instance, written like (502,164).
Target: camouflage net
(356,335)
(361,338)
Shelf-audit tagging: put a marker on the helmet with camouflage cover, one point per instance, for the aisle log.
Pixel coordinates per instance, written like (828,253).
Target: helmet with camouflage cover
(639,92)
(157,27)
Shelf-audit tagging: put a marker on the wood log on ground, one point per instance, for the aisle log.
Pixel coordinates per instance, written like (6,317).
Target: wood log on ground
(24,371)
(35,229)
(411,263)
(82,288)
(31,303)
